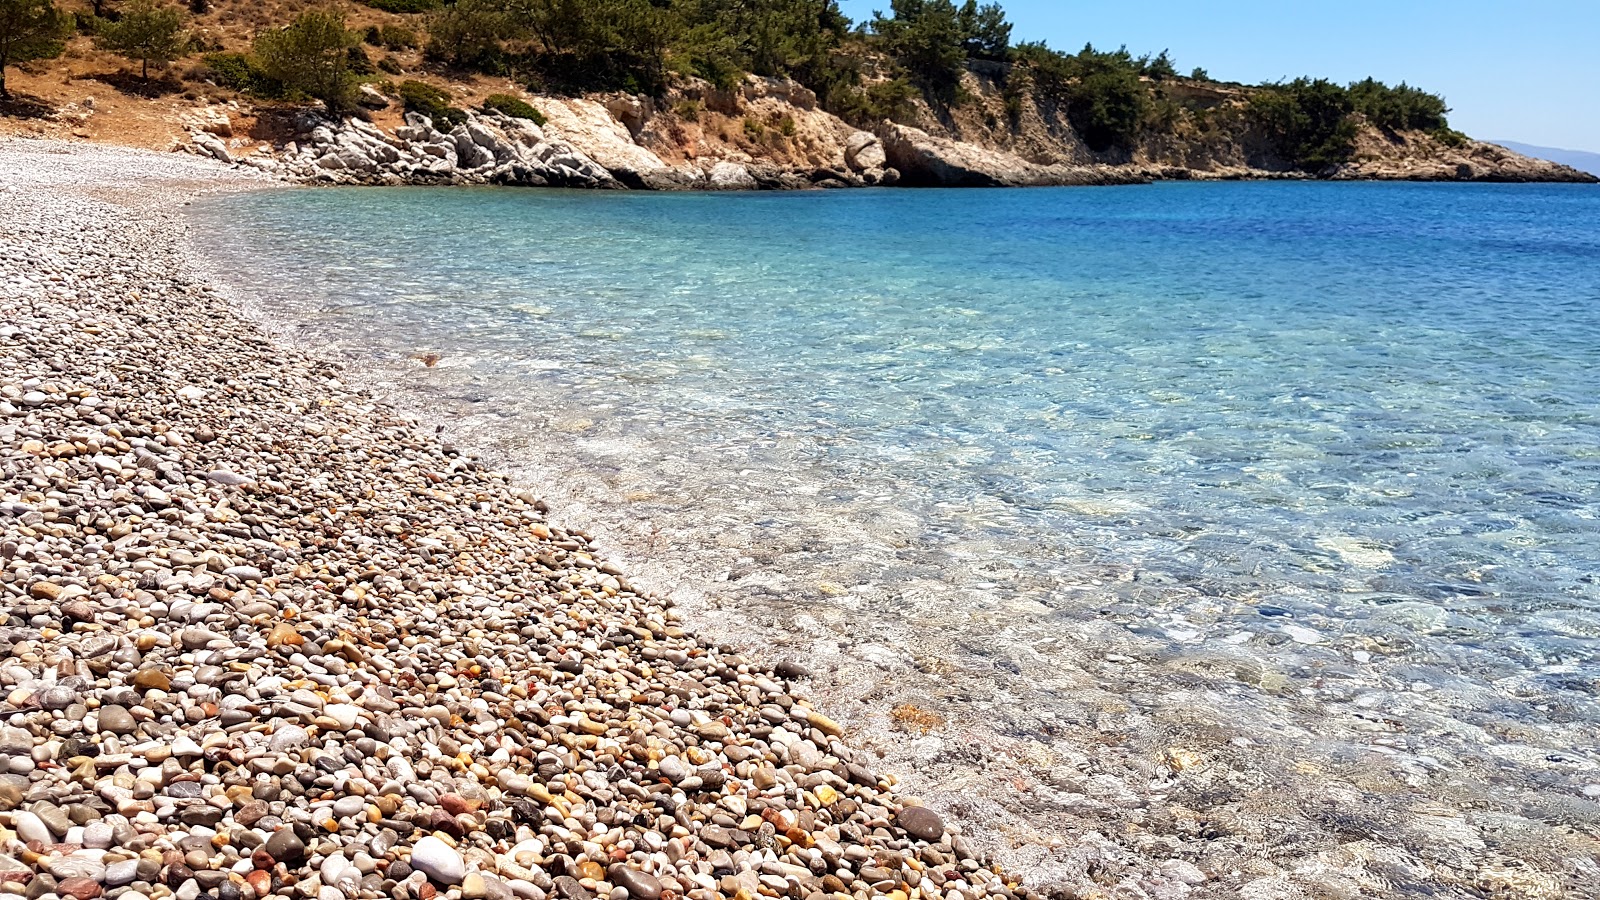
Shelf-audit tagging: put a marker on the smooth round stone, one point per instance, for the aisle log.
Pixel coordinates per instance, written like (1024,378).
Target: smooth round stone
(79,888)
(30,827)
(288,737)
(285,845)
(438,861)
(640,885)
(920,822)
(98,836)
(123,872)
(116,720)
(348,806)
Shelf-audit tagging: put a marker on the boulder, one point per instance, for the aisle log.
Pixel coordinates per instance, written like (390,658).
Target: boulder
(731,176)
(863,151)
(589,128)
(923,160)
(372,98)
(209,145)
(214,121)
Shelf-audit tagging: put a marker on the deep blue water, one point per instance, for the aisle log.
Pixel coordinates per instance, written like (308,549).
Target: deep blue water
(1343,438)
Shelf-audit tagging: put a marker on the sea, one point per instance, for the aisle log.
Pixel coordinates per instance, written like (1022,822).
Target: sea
(1258,519)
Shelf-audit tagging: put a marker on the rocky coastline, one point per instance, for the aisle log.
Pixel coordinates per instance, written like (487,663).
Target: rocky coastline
(626,142)
(264,637)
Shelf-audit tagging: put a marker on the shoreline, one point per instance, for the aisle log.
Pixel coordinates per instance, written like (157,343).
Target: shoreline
(266,632)
(1136,863)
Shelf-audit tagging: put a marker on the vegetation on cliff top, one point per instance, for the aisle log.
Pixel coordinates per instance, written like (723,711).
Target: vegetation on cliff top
(917,52)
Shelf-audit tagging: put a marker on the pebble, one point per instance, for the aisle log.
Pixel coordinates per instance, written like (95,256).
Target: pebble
(30,827)
(116,720)
(438,861)
(267,637)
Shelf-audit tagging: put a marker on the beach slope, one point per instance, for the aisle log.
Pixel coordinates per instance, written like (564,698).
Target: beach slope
(264,636)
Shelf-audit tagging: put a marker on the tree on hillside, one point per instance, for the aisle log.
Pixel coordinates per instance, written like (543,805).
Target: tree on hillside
(1161,67)
(312,56)
(985,32)
(600,44)
(29,30)
(1307,121)
(926,38)
(471,34)
(1399,108)
(147,32)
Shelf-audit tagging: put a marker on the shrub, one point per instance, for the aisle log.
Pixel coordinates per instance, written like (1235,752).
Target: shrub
(1307,121)
(471,34)
(405,6)
(391,65)
(786,126)
(753,129)
(1200,74)
(312,57)
(420,97)
(30,30)
(514,107)
(688,110)
(396,37)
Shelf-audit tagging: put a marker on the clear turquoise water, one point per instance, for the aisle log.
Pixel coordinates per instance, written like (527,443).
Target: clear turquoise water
(1300,456)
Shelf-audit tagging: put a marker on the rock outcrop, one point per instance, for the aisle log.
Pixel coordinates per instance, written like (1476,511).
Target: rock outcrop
(1422,158)
(927,161)
(490,148)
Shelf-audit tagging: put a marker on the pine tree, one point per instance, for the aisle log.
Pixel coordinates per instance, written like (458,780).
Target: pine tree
(147,32)
(29,30)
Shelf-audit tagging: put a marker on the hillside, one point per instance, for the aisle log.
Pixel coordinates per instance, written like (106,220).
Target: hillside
(886,109)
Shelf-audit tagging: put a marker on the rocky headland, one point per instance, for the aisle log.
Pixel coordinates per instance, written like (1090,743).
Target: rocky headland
(264,637)
(621,141)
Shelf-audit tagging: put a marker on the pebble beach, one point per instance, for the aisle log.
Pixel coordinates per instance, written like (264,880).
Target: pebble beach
(266,637)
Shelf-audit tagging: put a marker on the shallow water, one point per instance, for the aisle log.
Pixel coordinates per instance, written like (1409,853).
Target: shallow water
(1308,475)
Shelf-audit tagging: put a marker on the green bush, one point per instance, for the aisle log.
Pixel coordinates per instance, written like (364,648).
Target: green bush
(396,37)
(405,6)
(688,110)
(471,35)
(880,100)
(391,65)
(419,97)
(1307,121)
(513,106)
(237,71)
(312,57)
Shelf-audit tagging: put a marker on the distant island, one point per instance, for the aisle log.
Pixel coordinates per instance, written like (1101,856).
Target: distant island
(691,94)
(1582,160)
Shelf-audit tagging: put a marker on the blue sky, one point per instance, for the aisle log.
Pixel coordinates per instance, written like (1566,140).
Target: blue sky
(1526,71)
